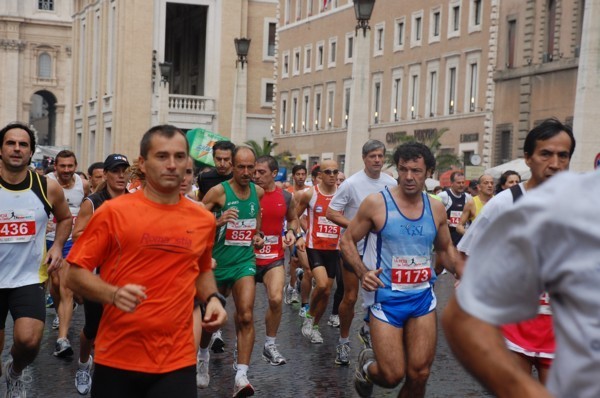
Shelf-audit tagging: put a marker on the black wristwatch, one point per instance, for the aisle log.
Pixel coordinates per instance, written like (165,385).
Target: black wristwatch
(219,296)
(299,235)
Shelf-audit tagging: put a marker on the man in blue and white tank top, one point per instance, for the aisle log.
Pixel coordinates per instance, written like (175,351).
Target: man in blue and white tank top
(26,200)
(75,190)
(397,274)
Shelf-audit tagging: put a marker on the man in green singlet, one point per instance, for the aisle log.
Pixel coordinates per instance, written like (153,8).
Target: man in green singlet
(238,232)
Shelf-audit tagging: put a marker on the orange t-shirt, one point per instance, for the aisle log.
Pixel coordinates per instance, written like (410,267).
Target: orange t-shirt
(161,247)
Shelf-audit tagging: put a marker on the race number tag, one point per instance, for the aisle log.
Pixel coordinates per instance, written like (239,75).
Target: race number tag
(327,229)
(455,217)
(270,249)
(240,232)
(17,226)
(410,272)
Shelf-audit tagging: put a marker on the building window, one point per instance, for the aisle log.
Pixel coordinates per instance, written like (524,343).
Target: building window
(268,93)
(285,66)
(283,116)
(399,34)
(332,52)
(307,58)
(433,76)
(454,19)
(511,42)
(298,10)
(476,12)
(451,90)
(379,39)
(294,114)
(46,5)
(44,66)
(377,101)
(317,110)
(550,26)
(417,29)
(271,39)
(346,105)
(309,8)
(349,47)
(296,61)
(330,98)
(320,56)
(472,87)
(397,98)
(436,24)
(414,96)
(305,120)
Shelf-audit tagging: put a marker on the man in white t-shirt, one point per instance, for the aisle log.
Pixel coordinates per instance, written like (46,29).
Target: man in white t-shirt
(552,245)
(342,209)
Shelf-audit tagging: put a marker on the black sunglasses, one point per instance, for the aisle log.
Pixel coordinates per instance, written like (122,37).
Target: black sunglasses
(331,172)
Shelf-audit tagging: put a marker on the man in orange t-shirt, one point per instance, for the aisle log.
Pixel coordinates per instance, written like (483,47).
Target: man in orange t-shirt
(154,249)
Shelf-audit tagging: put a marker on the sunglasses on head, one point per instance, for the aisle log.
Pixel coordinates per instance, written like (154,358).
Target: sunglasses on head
(331,172)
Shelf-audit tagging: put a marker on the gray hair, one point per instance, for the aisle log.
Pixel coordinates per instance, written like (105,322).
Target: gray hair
(371,146)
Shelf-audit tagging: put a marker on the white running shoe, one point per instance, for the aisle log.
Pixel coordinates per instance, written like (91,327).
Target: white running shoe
(83,378)
(315,336)
(272,355)
(217,344)
(242,387)
(15,387)
(307,327)
(334,321)
(55,323)
(202,376)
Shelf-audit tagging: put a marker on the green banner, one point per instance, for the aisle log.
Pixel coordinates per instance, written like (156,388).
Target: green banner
(201,142)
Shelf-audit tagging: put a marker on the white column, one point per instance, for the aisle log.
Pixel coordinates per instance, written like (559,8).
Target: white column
(238,117)
(358,119)
(163,103)
(586,116)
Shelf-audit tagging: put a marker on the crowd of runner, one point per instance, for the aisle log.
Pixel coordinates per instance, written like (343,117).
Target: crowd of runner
(155,289)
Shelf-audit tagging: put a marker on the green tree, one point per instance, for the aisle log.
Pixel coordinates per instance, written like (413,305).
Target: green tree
(444,161)
(265,149)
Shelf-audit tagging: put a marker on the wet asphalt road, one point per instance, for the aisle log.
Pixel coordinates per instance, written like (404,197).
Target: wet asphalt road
(310,371)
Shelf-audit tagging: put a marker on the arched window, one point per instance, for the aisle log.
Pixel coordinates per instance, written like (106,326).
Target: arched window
(44,66)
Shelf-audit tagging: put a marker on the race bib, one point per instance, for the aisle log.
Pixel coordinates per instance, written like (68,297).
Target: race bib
(17,226)
(455,217)
(327,229)
(270,249)
(410,272)
(240,232)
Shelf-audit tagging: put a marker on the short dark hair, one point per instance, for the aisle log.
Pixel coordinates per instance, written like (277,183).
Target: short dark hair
(455,174)
(298,167)
(238,149)
(95,166)
(223,146)
(65,154)
(544,131)
(414,150)
(371,146)
(270,161)
(165,130)
(314,172)
(22,126)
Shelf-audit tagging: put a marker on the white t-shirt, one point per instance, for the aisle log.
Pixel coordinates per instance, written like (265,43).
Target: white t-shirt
(548,241)
(496,206)
(354,190)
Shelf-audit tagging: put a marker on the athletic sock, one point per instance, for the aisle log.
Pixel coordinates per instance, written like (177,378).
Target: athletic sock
(344,340)
(84,365)
(242,370)
(269,340)
(204,354)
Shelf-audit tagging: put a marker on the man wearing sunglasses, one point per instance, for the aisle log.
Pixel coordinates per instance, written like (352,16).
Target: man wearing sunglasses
(322,246)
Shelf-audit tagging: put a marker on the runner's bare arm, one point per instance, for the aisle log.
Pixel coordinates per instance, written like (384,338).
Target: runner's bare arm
(86,187)
(474,342)
(359,227)
(215,315)
(467,213)
(64,223)
(83,282)
(446,253)
(292,224)
(214,200)
(259,238)
(303,198)
(337,217)
(86,211)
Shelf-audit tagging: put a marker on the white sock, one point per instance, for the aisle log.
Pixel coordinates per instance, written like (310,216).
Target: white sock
(344,340)
(204,354)
(85,365)
(241,371)
(269,340)
(366,367)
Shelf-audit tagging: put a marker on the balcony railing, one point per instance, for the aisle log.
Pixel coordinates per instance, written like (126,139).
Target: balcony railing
(190,104)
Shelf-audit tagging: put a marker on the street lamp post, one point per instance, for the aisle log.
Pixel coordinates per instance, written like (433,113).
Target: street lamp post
(358,120)
(238,116)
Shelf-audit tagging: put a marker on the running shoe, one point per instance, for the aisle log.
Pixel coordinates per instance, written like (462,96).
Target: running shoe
(334,321)
(303,311)
(362,384)
(342,355)
(15,388)
(217,345)
(295,296)
(242,387)
(63,349)
(235,353)
(202,376)
(287,294)
(49,302)
(315,336)
(365,336)
(83,378)
(55,323)
(307,327)
(271,354)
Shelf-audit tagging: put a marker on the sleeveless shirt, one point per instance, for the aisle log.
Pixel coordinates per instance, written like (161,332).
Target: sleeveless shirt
(322,234)
(74,196)
(273,207)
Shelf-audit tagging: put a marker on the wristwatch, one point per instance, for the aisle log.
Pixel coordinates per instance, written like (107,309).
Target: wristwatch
(299,235)
(219,296)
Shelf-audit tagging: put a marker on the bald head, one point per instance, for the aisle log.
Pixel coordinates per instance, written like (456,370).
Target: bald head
(329,172)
